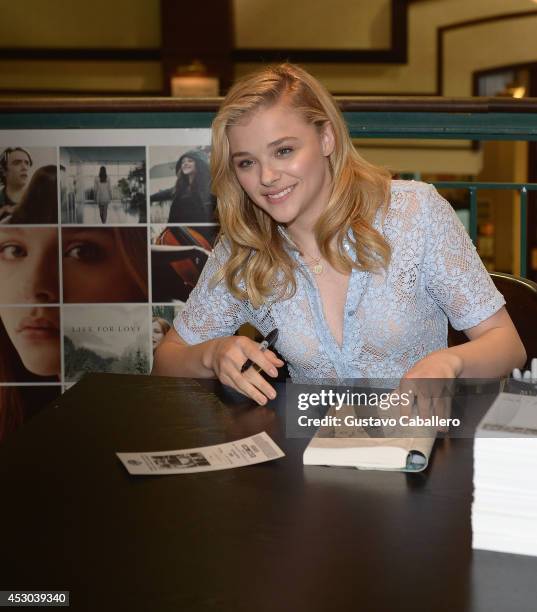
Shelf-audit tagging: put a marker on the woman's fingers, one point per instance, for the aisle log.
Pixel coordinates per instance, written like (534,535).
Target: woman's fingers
(275,360)
(232,355)
(406,389)
(251,384)
(262,360)
(429,398)
(259,383)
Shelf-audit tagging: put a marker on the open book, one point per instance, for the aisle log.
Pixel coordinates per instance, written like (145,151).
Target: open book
(371,447)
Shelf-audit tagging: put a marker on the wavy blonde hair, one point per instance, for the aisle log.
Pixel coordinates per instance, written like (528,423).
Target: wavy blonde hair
(259,266)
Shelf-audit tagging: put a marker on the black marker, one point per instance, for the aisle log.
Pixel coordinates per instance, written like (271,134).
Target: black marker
(268,342)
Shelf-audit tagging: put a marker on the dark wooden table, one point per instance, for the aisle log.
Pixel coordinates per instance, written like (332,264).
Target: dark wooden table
(276,536)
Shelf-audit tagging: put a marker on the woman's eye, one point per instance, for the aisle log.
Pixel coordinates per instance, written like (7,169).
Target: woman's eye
(12,251)
(245,163)
(284,151)
(85,252)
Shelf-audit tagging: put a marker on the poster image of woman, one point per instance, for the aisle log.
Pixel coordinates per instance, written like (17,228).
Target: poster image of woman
(30,339)
(159,329)
(29,265)
(190,197)
(163,316)
(29,353)
(103,192)
(104,265)
(103,185)
(39,204)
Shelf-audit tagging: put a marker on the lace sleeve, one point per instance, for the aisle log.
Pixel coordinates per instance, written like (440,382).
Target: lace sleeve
(210,312)
(456,277)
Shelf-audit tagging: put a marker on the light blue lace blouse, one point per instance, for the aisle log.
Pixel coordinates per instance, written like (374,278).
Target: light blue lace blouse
(392,319)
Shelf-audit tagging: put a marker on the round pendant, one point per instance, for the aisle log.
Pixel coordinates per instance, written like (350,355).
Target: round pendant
(317,268)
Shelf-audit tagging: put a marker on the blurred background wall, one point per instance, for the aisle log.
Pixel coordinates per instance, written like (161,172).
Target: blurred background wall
(392,47)
(447,48)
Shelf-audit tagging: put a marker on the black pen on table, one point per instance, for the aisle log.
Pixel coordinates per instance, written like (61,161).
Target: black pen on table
(268,342)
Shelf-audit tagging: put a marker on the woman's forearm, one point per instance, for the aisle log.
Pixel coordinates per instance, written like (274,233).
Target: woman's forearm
(175,359)
(493,354)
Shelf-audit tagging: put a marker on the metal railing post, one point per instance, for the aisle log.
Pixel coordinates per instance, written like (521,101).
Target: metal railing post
(473,214)
(523,230)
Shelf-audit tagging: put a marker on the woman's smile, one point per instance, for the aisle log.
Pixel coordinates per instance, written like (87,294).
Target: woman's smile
(279,196)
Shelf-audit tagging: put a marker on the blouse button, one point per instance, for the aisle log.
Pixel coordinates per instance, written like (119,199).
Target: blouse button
(350,313)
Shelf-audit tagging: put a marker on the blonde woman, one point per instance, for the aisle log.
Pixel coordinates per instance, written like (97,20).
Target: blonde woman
(160,327)
(359,273)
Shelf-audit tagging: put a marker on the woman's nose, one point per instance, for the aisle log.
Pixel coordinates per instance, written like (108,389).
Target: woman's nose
(46,295)
(43,286)
(269,175)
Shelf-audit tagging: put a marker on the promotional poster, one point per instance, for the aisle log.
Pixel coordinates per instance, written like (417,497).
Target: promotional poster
(103,235)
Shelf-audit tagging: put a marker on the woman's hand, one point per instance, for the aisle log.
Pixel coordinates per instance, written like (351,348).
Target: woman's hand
(227,357)
(429,381)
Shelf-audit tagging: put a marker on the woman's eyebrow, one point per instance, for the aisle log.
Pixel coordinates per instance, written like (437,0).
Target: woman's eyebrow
(274,143)
(13,233)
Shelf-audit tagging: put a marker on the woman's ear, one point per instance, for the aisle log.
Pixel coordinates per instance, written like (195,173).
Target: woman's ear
(328,140)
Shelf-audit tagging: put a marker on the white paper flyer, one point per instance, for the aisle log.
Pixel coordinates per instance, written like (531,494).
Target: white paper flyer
(248,451)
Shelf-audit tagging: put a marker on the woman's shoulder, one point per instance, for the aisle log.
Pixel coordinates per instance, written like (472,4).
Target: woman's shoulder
(412,196)
(412,204)
(418,188)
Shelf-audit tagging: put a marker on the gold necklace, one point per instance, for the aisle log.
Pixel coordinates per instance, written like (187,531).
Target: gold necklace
(316,267)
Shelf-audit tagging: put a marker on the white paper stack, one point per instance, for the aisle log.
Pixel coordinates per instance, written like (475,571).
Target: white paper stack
(504,512)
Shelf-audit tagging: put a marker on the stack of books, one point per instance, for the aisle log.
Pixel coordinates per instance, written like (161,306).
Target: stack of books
(504,512)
